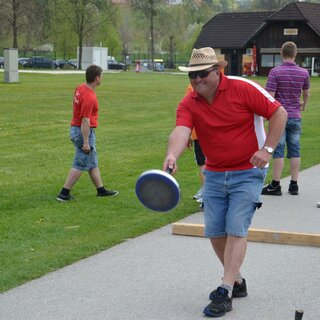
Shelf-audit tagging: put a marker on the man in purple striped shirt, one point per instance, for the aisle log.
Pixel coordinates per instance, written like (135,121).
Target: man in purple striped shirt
(286,83)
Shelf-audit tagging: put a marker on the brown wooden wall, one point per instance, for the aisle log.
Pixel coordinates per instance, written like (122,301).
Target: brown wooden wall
(272,36)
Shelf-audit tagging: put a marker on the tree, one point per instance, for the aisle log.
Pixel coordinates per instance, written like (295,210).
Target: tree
(150,9)
(13,12)
(84,17)
(269,5)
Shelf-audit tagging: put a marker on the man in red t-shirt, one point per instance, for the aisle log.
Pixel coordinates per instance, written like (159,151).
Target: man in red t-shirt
(82,134)
(227,114)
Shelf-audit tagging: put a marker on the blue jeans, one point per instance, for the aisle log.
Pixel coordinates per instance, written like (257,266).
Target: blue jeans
(83,161)
(230,199)
(291,136)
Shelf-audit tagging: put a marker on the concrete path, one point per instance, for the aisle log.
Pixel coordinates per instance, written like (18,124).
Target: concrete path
(160,276)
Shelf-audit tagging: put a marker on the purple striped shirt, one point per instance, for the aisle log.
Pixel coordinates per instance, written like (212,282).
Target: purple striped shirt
(287,81)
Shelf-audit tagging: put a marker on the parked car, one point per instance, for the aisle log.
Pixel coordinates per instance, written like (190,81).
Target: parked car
(40,62)
(1,62)
(23,62)
(115,65)
(59,63)
(73,63)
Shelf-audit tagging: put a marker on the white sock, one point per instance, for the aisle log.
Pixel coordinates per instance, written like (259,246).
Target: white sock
(239,278)
(228,288)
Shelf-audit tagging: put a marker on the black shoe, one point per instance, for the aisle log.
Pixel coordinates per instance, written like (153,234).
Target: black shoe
(61,197)
(239,290)
(220,304)
(271,191)
(293,189)
(107,193)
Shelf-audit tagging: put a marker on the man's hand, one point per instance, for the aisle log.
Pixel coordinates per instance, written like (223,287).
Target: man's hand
(86,148)
(170,162)
(260,158)
(302,106)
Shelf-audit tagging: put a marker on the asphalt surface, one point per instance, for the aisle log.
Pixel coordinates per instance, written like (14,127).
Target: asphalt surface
(160,276)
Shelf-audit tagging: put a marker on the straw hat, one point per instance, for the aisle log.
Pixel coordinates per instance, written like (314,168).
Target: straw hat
(202,59)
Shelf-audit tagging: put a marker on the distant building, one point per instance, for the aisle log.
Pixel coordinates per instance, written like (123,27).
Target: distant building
(251,41)
(119,1)
(174,2)
(170,2)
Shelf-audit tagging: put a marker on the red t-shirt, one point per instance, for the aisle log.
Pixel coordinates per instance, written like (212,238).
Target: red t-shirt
(85,105)
(230,129)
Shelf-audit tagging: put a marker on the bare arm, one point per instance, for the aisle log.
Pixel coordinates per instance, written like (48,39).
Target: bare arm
(85,131)
(178,141)
(276,127)
(305,96)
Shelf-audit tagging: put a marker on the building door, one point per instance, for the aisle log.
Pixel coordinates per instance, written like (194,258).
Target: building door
(234,64)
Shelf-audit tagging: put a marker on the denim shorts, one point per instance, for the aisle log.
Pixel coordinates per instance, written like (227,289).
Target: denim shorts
(230,200)
(291,137)
(83,161)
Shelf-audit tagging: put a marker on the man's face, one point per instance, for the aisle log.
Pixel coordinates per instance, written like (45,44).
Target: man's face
(99,79)
(205,82)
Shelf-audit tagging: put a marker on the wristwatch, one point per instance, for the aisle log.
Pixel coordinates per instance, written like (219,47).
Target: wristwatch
(268,149)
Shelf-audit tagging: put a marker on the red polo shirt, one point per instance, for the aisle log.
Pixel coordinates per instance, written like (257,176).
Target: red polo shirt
(85,105)
(230,129)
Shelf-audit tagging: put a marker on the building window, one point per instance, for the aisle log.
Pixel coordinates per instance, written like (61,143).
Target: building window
(277,59)
(270,60)
(267,60)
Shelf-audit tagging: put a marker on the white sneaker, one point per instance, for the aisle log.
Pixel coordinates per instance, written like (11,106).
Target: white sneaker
(200,200)
(318,204)
(197,195)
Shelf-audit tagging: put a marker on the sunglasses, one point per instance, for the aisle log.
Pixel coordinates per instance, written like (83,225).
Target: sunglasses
(202,74)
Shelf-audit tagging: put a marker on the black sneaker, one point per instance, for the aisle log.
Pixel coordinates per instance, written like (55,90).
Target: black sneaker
(107,193)
(239,290)
(220,304)
(61,197)
(293,189)
(272,191)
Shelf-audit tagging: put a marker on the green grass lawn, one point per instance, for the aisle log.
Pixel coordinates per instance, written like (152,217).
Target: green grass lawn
(137,113)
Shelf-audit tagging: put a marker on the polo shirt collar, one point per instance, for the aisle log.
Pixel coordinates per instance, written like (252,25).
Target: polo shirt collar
(288,63)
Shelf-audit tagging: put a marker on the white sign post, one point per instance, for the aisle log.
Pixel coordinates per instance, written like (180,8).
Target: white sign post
(11,73)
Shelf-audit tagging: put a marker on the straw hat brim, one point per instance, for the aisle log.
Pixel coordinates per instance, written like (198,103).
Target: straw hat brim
(220,64)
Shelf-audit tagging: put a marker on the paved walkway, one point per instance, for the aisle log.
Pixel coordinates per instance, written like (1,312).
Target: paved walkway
(159,276)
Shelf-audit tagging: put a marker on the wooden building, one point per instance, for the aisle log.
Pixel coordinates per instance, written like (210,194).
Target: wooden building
(251,41)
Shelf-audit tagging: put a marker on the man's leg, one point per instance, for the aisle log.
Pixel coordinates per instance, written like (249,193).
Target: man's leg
(97,181)
(231,252)
(294,171)
(235,251)
(73,177)
(294,168)
(278,165)
(219,245)
(293,143)
(224,250)
(96,177)
(274,188)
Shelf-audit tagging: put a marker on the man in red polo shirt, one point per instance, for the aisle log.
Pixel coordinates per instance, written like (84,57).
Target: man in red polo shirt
(227,114)
(82,134)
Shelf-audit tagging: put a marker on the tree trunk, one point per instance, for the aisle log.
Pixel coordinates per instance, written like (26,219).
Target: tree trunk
(14,24)
(152,40)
